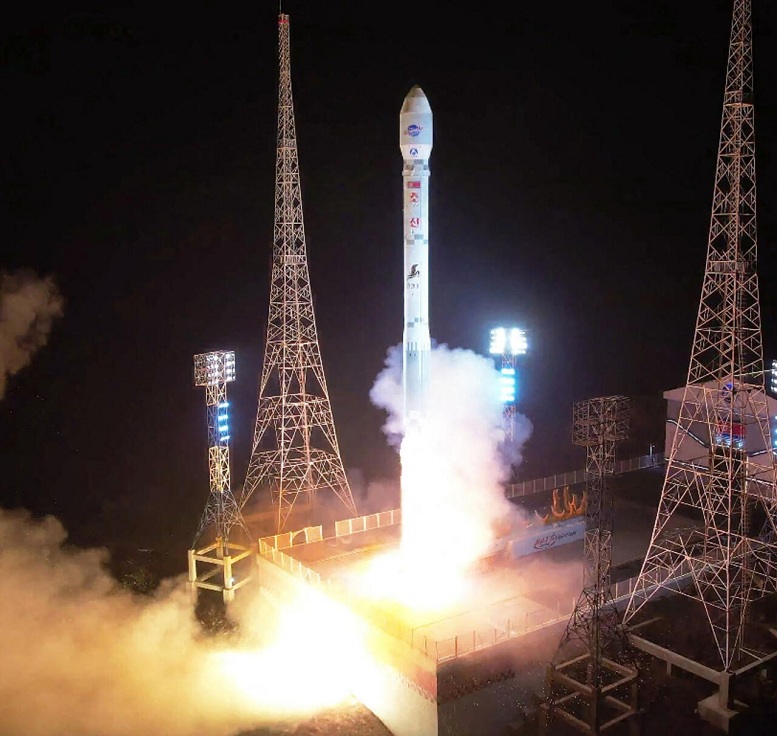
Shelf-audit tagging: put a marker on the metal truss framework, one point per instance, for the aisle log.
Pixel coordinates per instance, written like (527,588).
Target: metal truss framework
(507,345)
(590,677)
(597,425)
(295,450)
(721,461)
(213,371)
(509,410)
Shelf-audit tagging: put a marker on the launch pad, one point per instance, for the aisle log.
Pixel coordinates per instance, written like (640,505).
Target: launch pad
(477,661)
(425,663)
(481,660)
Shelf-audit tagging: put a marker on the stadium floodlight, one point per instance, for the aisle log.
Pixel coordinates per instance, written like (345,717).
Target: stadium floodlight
(214,371)
(211,369)
(498,341)
(518,344)
(508,341)
(774,377)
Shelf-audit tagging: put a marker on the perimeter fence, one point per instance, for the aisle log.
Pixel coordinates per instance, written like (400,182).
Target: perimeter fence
(520,623)
(525,622)
(573,477)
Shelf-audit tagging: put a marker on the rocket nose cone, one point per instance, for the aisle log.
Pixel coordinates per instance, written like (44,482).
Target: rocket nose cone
(415,101)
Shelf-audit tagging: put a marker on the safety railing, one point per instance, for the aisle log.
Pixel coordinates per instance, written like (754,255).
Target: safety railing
(522,623)
(518,624)
(365,523)
(288,563)
(559,480)
(287,539)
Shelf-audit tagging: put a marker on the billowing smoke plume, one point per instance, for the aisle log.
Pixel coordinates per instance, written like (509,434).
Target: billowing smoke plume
(83,656)
(387,393)
(455,460)
(28,306)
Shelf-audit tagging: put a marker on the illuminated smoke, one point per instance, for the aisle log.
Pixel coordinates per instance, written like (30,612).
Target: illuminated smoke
(387,393)
(454,461)
(28,306)
(83,656)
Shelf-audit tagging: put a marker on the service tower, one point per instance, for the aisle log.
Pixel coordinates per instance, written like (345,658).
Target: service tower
(415,142)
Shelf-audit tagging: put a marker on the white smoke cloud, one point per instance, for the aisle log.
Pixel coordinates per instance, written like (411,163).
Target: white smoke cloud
(28,307)
(386,393)
(455,461)
(83,656)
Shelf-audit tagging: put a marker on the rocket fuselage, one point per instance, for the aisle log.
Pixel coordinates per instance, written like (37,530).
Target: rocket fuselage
(415,142)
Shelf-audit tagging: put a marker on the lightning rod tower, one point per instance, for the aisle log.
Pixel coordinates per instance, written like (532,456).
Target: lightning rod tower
(586,687)
(213,371)
(721,462)
(295,450)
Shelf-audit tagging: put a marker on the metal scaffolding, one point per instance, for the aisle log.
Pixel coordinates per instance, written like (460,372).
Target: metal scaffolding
(721,462)
(585,683)
(295,450)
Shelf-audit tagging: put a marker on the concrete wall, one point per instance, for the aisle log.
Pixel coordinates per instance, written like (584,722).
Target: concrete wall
(402,706)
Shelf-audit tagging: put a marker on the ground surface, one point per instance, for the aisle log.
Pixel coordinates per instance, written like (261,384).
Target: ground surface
(349,719)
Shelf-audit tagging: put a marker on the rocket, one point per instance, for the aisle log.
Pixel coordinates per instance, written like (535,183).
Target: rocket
(415,143)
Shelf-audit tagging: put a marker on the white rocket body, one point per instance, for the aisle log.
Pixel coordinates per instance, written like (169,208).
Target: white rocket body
(415,142)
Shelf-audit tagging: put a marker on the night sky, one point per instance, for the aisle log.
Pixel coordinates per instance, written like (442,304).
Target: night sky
(572,175)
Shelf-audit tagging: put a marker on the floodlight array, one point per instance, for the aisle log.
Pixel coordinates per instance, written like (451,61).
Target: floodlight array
(213,368)
(508,341)
(773,373)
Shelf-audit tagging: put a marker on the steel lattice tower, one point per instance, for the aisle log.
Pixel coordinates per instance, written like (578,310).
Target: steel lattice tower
(581,678)
(721,462)
(597,425)
(295,449)
(213,371)
(509,410)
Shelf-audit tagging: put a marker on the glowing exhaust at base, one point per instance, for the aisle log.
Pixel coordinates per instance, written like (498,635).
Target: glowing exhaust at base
(453,502)
(311,662)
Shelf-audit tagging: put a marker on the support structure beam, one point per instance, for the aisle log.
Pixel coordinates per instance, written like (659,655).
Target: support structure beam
(588,690)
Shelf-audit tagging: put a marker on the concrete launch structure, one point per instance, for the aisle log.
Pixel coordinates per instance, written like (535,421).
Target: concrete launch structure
(415,143)
(475,666)
(426,667)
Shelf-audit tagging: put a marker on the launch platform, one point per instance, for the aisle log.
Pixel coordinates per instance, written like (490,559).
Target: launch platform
(473,664)
(480,666)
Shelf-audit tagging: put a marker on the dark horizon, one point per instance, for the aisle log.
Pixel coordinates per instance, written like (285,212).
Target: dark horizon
(571,181)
